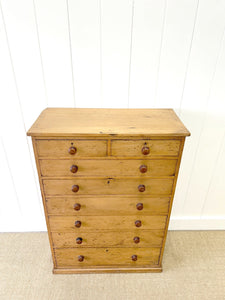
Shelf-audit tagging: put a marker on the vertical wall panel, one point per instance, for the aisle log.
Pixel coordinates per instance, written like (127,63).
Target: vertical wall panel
(52,21)
(204,54)
(84,16)
(148,26)
(22,36)
(15,143)
(116,20)
(179,25)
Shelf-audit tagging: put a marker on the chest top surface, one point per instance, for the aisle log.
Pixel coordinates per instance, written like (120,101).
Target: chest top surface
(58,122)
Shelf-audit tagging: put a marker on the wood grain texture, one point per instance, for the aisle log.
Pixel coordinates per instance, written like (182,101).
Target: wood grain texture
(104,167)
(70,122)
(134,148)
(151,238)
(106,256)
(98,223)
(108,186)
(60,148)
(106,205)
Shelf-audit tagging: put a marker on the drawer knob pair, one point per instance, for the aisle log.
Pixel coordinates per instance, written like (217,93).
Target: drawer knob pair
(72,150)
(141,188)
(145,150)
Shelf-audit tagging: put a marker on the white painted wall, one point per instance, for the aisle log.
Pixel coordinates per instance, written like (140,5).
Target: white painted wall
(114,53)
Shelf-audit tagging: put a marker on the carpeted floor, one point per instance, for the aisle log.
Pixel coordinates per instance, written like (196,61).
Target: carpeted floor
(194,268)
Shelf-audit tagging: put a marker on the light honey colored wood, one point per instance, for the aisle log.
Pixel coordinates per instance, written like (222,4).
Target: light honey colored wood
(134,147)
(148,238)
(107,168)
(107,205)
(101,223)
(108,155)
(108,186)
(107,256)
(59,148)
(83,121)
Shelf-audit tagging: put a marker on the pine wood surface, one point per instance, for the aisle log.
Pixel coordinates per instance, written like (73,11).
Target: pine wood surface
(108,178)
(147,238)
(107,168)
(106,256)
(107,205)
(79,121)
(100,223)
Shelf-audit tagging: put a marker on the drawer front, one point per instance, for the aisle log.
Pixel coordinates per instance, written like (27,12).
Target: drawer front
(110,168)
(98,223)
(108,205)
(106,256)
(134,148)
(135,238)
(108,186)
(62,148)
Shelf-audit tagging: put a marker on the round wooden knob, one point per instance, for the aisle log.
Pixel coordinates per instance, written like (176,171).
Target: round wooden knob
(77,206)
(80,258)
(145,150)
(143,168)
(72,150)
(78,224)
(139,206)
(138,223)
(141,188)
(75,188)
(134,257)
(136,239)
(73,169)
(79,240)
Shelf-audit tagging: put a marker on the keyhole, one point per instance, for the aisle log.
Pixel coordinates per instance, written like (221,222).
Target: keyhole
(108,181)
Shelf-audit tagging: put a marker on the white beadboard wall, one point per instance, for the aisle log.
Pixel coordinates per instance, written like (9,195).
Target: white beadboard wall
(114,53)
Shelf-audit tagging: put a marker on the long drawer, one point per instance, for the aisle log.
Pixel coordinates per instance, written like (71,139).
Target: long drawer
(107,205)
(135,238)
(71,148)
(98,223)
(108,186)
(106,256)
(110,168)
(145,148)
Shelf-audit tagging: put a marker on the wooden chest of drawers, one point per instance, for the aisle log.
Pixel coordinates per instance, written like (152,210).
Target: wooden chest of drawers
(107,178)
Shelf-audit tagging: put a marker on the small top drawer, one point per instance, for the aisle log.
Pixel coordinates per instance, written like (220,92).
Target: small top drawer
(71,148)
(145,148)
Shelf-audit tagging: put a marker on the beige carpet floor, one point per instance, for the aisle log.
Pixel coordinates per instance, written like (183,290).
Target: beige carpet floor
(194,268)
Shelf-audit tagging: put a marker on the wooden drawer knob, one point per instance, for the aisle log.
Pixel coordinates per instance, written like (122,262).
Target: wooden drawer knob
(75,188)
(73,169)
(139,206)
(145,150)
(79,240)
(78,224)
(141,188)
(134,257)
(80,258)
(136,239)
(143,168)
(77,206)
(72,150)
(138,223)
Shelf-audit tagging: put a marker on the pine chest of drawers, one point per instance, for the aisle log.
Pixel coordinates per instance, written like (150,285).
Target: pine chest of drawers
(107,178)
